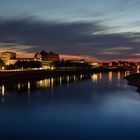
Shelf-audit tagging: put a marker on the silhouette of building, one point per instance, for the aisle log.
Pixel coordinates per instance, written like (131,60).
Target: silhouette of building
(44,56)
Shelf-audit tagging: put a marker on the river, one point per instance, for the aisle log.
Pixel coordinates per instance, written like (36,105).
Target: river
(84,107)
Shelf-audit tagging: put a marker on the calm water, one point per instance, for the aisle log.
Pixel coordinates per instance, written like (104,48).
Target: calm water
(98,106)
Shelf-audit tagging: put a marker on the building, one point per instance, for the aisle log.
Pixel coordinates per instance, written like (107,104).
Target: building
(46,59)
(1,64)
(44,56)
(7,57)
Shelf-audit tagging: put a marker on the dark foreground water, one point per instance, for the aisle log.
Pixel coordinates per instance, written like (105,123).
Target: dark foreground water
(99,106)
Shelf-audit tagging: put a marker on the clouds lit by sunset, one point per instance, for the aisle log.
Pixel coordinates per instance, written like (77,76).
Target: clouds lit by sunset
(92,29)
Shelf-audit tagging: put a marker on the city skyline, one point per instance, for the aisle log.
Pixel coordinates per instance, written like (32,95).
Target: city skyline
(93,30)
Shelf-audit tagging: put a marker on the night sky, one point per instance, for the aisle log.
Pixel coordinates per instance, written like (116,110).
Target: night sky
(93,29)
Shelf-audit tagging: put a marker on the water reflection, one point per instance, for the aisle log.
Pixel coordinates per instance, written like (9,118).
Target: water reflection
(29,88)
(110,76)
(95,77)
(100,76)
(19,86)
(84,105)
(127,73)
(119,75)
(46,84)
(3,90)
(51,83)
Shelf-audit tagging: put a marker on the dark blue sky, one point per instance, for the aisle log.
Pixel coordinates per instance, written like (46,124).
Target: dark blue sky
(103,29)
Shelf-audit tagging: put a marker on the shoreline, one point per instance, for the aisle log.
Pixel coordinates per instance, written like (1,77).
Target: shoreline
(134,80)
(30,75)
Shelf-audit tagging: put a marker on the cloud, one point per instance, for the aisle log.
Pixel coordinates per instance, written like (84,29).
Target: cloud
(119,48)
(110,53)
(74,38)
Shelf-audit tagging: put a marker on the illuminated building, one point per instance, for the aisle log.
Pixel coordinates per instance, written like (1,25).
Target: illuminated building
(138,68)
(1,64)
(7,57)
(95,65)
(46,59)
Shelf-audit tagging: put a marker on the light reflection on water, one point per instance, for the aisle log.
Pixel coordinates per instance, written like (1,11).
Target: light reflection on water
(98,106)
(42,84)
(110,76)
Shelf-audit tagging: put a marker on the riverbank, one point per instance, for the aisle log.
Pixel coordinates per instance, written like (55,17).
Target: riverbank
(134,80)
(24,75)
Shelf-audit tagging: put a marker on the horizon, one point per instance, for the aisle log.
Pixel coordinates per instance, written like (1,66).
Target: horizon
(72,57)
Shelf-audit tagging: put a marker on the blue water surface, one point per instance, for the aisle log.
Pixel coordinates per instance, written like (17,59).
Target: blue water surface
(84,107)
